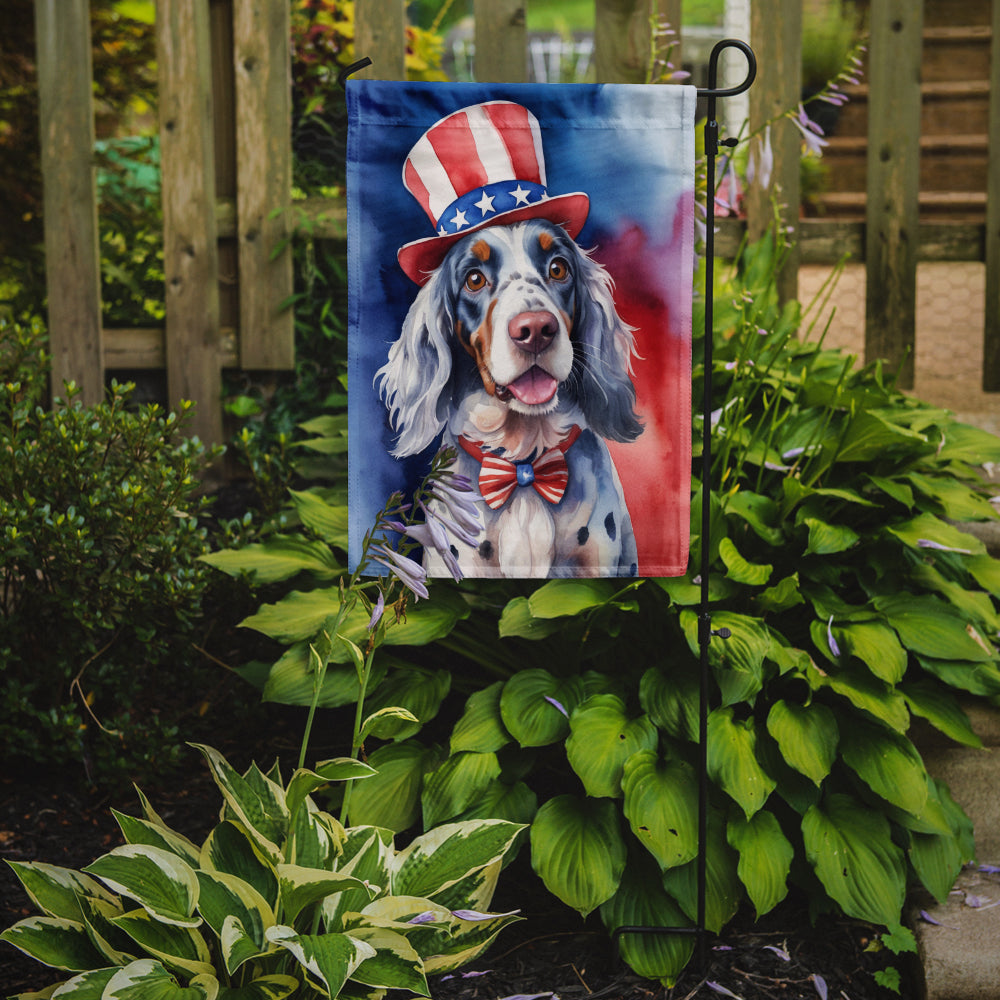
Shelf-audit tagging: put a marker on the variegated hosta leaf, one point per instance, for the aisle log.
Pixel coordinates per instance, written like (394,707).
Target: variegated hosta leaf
(367,854)
(329,959)
(466,941)
(535,706)
(300,887)
(304,782)
(765,858)
(99,915)
(850,847)
(723,889)
(391,799)
(456,784)
(230,849)
(158,880)
(481,727)
(274,987)
(141,831)
(177,947)
(56,891)
(732,760)
(602,737)
(441,857)
(642,902)
(54,941)
(578,851)
(888,763)
(418,691)
(147,979)
(395,964)
(225,897)
(86,986)
(256,801)
(807,736)
(315,838)
(476,890)
(661,800)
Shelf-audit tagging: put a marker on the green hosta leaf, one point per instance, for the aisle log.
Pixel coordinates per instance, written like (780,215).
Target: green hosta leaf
(395,964)
(561,598)
(535,706)
(578,851)
(723,889)
(304,782)
(888,763)
(927,528)
(275,987)
(876,646)
(765,858)
(391,798)
(683,592)
(56,891)
(141,831)
(850,848)
(931,628)
(976,678)
(739,569)
(54,941)
(291,680)
(147,979)
(957,501)
(602,738)
(738,661)
(481,728)
(807,736)
(941,709)
(516,803)
(661,799)
(330,959)
(828,539)
(783,595)
(641,901)
(260,809)
(230,849)
(965,443)
(226,898)
(893,488)
(159,881)
(418,691)
(456,784)
(386,723)
(301,887)
(866,692)
(732,760)
(180,948)
(279,558)
(671,700)
(975,605)
(986,572)
(517,620)
(327,520)
(870,436)
(758,511)
(937,860)
(438,859)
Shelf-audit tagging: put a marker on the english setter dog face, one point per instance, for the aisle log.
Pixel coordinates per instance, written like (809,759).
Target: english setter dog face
(521,315)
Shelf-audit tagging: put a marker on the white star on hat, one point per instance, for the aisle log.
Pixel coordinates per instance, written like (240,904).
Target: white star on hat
(459,220)
(485,204)
(520,195)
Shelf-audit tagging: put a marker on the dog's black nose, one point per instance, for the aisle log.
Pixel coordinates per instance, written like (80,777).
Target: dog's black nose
(533,331)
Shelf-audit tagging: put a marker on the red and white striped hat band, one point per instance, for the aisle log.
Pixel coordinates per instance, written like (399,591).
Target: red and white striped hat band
(481,166)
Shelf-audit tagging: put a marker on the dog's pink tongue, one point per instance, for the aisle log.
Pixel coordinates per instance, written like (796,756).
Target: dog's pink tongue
(535,386)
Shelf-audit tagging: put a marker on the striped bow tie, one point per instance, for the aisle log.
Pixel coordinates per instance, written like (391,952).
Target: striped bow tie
(499,477)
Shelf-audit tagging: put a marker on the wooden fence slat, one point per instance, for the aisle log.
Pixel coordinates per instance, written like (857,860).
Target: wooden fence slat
(190,253)
(380,34)
(893,184)
(622,40)
(501,41)
(262,61)
(776,36)
(72,255)
(991,331)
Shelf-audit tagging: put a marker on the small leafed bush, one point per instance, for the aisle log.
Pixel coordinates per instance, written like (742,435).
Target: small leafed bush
(99,575)
(280,899)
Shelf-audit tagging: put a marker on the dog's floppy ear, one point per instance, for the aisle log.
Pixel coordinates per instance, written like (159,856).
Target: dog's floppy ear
(604,346)
(414,380)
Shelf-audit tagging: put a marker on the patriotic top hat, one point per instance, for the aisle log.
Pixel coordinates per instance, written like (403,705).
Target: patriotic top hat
(481,166)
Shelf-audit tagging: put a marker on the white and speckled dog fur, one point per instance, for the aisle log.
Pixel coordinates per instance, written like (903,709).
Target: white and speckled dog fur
(513,340)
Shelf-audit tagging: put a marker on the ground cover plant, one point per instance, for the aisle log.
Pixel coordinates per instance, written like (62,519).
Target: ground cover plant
(854,604)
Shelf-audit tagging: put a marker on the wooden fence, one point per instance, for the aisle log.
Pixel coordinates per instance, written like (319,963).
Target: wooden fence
(226,161)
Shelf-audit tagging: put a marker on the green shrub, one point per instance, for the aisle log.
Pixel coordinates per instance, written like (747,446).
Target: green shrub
(101,584)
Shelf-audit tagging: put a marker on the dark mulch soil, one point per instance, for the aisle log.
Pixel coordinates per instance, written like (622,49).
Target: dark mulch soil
(551,951)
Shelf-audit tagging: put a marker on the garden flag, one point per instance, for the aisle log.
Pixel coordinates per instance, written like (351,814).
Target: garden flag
(520,275)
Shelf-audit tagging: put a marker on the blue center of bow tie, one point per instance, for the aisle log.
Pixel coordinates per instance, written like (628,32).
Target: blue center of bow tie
(525,473)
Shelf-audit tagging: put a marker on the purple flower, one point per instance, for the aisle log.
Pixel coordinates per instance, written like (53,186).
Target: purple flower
(377,612)
(780,952)
(431,536)
(558,705)
(427,917)
(475,915)
(719,988)
(811,132)
(761,163)
(927,543)
(459,501)
(411,574)
(834,648)
(820,983)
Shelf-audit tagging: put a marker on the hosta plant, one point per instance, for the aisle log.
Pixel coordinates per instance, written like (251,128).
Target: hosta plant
(279,900)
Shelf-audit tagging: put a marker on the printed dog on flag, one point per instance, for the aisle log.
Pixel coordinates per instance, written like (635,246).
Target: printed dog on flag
(513,352)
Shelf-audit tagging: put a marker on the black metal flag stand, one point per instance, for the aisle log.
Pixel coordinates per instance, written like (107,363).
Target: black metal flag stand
(705,631)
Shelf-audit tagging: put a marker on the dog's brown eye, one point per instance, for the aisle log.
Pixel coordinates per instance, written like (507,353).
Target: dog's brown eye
(475,280)
(558,269)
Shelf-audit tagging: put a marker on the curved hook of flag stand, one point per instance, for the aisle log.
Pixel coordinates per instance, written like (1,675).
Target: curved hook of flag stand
(705,631)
